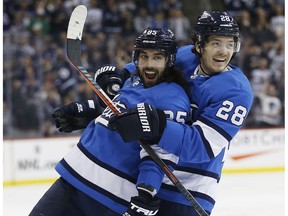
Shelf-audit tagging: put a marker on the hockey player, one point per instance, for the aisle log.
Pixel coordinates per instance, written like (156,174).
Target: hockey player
(103,175)
(221,100)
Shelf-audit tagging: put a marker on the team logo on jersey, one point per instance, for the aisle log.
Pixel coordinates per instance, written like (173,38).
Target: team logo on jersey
(136,83)
(107,113)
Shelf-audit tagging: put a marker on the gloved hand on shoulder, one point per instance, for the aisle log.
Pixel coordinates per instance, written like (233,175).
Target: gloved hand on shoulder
(76,116)
(144,122)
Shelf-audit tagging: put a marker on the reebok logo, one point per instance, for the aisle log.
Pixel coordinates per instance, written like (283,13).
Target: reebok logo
(143,117)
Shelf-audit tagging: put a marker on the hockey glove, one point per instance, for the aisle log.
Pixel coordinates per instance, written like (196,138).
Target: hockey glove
(144,122)
(111,79)
(143,204)
(75,116)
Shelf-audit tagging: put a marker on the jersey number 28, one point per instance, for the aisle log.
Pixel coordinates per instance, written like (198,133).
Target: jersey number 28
(238,114)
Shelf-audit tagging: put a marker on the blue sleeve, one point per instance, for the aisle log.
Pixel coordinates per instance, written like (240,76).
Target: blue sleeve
(217,118)
(130,67)
(149,172)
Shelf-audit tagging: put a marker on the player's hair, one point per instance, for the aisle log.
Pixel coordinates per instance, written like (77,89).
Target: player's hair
(172,74)
(215,23)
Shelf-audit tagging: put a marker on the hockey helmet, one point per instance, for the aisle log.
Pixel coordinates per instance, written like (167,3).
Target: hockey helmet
(161,39)
(216,23)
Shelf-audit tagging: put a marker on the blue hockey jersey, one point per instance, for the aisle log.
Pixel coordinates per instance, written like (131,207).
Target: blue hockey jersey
(220,105)
(106,168)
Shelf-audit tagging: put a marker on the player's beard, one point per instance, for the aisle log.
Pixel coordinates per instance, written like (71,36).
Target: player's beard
(150,76)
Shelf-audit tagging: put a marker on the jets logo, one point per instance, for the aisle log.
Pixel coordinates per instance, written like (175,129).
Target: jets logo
(136,83)
(107,113)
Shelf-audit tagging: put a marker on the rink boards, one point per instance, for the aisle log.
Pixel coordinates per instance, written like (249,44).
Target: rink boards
(33,160)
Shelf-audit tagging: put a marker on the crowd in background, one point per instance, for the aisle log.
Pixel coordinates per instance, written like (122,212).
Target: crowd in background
(37,78)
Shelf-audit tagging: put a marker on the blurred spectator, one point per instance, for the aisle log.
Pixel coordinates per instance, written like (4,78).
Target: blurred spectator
(24,109)
(6,22)
(94,17)
(277,59)
(245,24)
(95,47)
(268,108)
(262,34)
(129,5)
(277,22)
(171,4)
(65,82)
(142,20)
(37,77)
(235,5)
(154,6)
(6,119)
(124,52)
(52,100)
(30,82)
(159,20)
(265,5)
(179,24)
(39,24)
(250,55)
(261,76)
(112,17)
(128,23)
(58,16)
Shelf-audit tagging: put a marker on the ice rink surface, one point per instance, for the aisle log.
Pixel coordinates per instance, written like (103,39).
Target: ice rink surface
(249,194)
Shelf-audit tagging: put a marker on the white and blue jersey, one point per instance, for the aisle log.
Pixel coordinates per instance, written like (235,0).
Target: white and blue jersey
(220,105)
(106,168)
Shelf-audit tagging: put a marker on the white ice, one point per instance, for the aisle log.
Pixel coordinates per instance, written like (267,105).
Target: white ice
(250,194)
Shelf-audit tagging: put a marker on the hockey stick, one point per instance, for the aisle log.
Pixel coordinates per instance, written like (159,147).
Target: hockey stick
(74,36)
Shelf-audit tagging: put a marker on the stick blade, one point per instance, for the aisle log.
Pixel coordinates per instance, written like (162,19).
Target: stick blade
(76,22)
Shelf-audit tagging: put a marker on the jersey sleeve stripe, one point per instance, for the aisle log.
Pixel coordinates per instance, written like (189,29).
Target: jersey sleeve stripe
(197,184)
(205,141)
(83,183)
(100,176)
(95,160)
(216,128)
(164,155)
(198,171)
(215,139)
(167,162)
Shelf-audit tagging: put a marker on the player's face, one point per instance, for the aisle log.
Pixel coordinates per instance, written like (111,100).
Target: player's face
(216,54)
(151,66)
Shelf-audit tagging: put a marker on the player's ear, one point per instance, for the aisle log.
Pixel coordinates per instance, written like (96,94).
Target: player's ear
(197,47)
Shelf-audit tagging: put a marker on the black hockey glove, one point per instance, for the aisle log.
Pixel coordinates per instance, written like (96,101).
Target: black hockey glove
(75,116)
(144,122)
(111,79)
(143,204)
